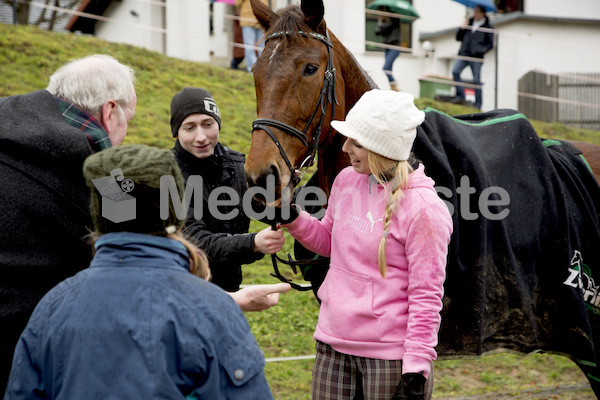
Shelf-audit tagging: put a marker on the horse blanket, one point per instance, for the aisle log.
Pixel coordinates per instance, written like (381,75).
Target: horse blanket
(526,243)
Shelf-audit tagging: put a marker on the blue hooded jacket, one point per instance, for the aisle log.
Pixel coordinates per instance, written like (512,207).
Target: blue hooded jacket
(137,325)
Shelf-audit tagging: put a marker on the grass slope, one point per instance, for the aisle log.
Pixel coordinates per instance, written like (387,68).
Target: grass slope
(29,56)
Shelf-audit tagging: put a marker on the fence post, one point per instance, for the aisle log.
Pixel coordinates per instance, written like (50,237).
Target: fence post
(14,5)
(497,40)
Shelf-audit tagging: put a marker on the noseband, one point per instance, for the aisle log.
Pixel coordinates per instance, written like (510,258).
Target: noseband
(327,96)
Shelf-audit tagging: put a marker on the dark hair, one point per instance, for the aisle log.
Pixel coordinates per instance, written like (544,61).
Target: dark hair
(482,8)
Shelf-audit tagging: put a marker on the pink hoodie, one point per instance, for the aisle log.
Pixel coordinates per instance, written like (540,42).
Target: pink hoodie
(361,313)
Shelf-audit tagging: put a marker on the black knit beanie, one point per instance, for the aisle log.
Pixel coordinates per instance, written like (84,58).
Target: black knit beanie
(129,178)
(190,101)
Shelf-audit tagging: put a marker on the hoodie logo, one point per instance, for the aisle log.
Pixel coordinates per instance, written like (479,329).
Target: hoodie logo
(362,225)
(369,216)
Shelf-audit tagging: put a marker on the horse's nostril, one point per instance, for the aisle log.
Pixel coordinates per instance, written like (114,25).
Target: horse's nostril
(269,178)
(250,180)
(274,171)
(266,184)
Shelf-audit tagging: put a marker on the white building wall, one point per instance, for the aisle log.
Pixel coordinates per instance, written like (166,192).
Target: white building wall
(436,17)
(188,30)
(586,9)
(222,37)
(134,22)
(279,4)
(346,19)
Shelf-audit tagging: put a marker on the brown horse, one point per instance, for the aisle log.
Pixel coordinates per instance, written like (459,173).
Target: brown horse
(305,77)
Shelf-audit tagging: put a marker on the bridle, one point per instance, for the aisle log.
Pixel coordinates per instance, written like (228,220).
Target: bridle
(327,96)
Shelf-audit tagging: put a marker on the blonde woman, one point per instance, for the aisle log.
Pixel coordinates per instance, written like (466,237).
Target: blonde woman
(387,233)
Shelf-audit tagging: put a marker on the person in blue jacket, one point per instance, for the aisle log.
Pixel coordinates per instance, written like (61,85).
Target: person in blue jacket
(142,321)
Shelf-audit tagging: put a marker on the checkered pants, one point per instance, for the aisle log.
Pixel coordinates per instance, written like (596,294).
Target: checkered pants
(341,376)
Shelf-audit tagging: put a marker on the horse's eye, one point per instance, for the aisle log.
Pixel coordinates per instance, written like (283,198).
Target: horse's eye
(310,69)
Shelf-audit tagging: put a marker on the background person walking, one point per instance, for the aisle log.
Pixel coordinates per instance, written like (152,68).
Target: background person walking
(252,32)
(389,30)
(475,43)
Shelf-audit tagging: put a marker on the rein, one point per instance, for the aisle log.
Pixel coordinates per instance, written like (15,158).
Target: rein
(326,97)
(292,263)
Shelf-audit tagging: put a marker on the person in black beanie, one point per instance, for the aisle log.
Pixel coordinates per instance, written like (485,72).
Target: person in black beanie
(195,122)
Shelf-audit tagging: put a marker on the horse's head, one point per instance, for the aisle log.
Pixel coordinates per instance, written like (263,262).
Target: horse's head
(297,92)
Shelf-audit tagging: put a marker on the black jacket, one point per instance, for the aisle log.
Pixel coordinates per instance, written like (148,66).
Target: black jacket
(227,243)
(389,30)
(475,44)
(44,209)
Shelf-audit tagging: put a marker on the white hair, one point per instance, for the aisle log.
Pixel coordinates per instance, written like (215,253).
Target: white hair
(91,81)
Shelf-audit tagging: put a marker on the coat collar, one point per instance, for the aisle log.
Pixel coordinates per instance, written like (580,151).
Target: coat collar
(136,249)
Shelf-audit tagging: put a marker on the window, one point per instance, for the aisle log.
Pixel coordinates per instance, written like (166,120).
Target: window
(507,6)
(372,21)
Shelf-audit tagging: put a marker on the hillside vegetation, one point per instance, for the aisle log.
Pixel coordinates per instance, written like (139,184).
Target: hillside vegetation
(29,56)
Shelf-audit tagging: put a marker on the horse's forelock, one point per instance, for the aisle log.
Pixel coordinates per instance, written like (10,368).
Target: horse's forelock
(292,19)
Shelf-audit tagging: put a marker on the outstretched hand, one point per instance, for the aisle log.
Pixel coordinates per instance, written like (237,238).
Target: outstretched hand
(268,241)
(259,297)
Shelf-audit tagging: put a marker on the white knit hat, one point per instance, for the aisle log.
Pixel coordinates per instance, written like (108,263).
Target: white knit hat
(383,121)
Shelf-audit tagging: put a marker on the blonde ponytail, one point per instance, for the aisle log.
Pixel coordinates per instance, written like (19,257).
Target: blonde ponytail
(396,173)
(198,261)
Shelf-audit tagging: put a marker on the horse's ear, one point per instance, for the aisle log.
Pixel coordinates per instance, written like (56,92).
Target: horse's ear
(263,13)
(313,11)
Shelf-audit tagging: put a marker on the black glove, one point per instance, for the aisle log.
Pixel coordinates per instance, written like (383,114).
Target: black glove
(411,387)
(279,217)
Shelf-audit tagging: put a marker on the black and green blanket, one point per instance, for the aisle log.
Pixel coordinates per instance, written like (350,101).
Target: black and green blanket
(526,243)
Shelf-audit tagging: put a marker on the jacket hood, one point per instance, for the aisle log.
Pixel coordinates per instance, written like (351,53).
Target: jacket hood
(418,179)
